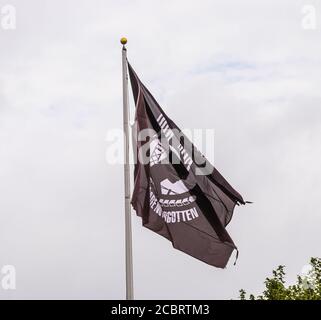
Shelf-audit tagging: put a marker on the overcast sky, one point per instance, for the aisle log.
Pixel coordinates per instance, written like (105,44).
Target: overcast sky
(248,69)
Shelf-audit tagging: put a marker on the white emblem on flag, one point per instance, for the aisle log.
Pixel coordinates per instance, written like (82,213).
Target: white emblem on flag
(171,188)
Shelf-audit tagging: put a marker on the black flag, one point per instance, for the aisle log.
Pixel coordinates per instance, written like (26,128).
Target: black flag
(177,193)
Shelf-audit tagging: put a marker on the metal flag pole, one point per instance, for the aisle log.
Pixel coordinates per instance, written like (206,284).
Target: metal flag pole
(128,227)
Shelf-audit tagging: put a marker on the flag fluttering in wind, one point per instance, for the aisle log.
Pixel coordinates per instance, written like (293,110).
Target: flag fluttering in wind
(177,193)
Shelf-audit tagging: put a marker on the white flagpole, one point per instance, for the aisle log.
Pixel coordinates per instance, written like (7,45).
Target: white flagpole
(128,227)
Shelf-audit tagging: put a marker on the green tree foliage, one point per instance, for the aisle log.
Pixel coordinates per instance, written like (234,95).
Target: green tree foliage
(307,287)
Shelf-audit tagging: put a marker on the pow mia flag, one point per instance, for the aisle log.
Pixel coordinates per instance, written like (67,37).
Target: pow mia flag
(177,193)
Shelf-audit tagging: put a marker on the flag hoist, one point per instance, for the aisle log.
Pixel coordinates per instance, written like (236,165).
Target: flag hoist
(177,192)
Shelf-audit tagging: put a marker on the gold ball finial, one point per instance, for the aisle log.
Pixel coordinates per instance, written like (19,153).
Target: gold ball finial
(123,40)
